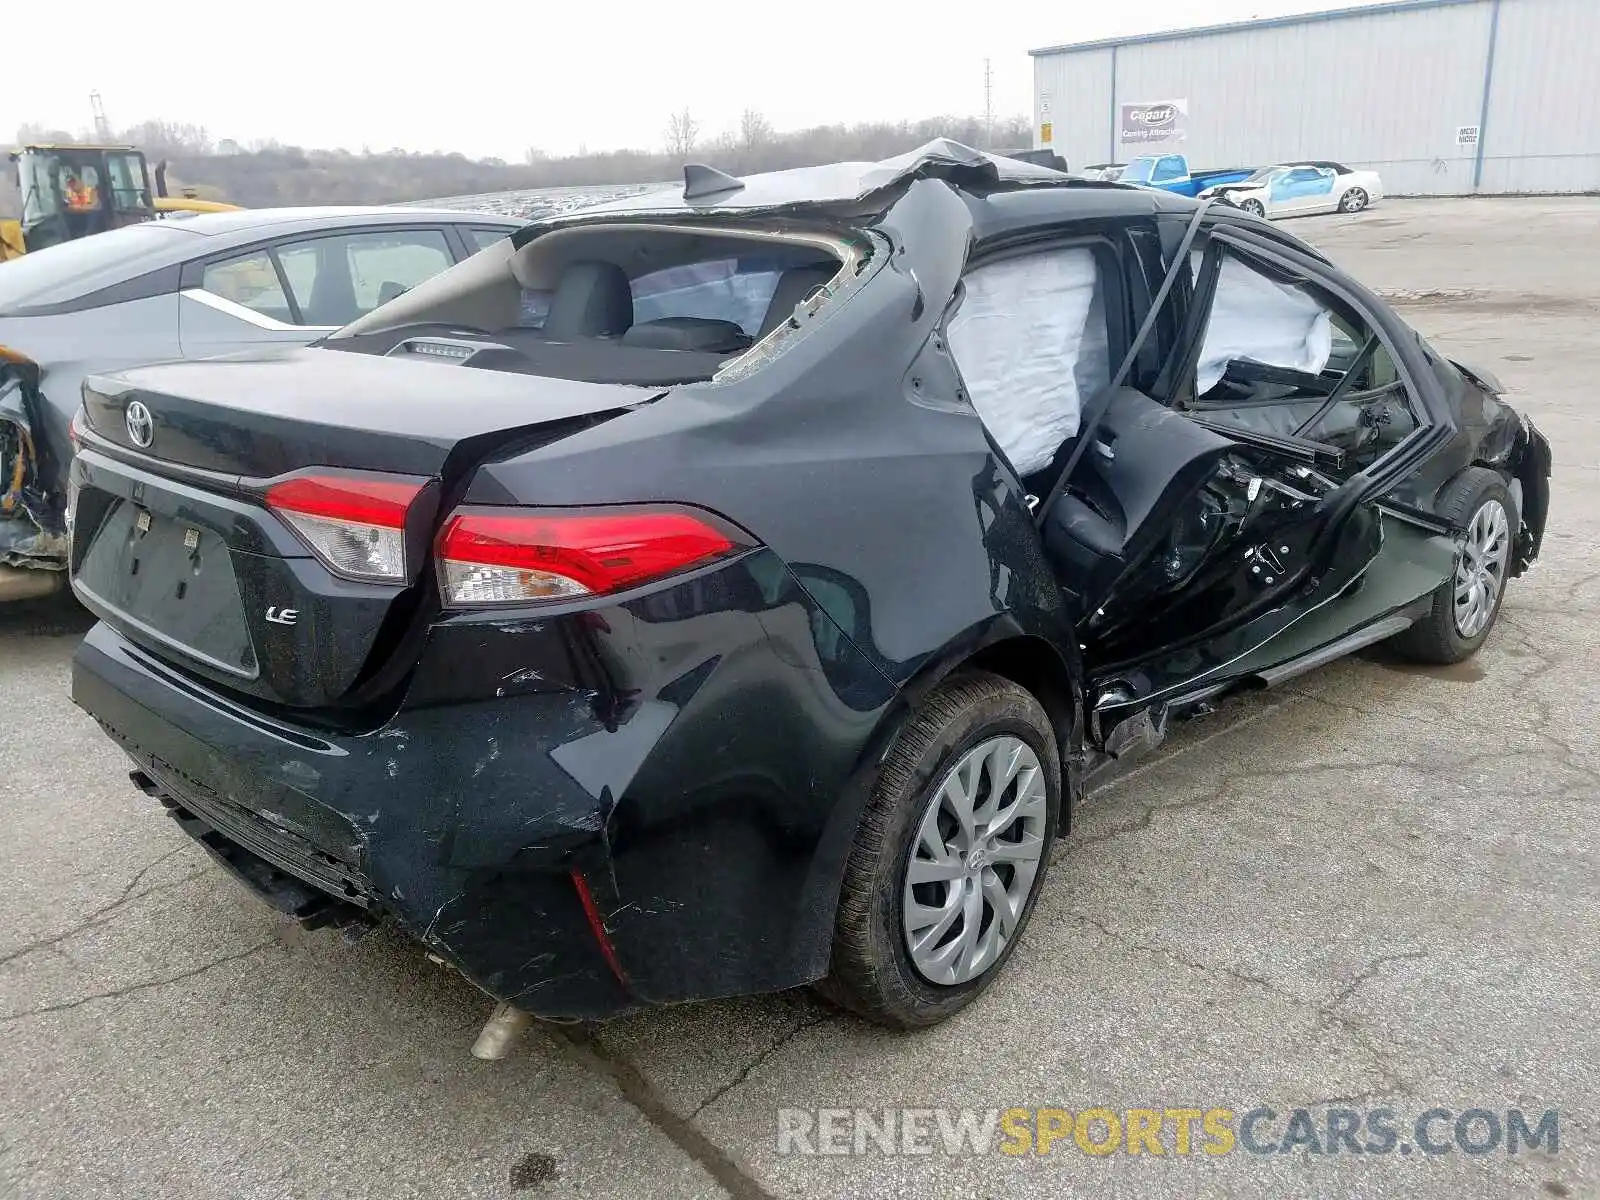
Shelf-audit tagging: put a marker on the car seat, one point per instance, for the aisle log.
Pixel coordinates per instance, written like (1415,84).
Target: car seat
(702,334)
(593,299)
(1127,492)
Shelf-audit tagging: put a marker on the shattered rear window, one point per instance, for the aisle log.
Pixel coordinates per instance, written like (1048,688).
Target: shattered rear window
(646,305)
(727,289)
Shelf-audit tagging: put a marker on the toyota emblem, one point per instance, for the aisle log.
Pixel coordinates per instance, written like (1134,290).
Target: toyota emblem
(141,425)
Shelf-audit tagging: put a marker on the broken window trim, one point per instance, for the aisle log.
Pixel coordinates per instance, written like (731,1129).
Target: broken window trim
(847,281)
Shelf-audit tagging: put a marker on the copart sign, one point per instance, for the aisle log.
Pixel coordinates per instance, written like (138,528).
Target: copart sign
(1154,121)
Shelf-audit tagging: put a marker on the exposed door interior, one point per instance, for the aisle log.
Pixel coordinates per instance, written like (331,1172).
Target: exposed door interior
(1187,516)
(1280,395)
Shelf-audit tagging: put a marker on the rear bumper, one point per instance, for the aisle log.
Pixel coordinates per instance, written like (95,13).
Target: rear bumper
(653,806)
(272,805)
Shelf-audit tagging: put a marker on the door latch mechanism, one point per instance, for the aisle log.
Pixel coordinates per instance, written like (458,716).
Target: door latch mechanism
(1266,563)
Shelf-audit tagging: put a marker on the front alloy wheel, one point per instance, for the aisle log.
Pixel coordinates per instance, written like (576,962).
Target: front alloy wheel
(973,865)
(1466,604)
(1481,568)
(1254,208)
(1353,201)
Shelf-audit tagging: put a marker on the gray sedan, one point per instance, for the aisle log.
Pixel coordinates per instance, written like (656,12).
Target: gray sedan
(186,287)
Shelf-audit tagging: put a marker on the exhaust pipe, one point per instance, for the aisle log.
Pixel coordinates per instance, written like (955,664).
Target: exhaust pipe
(500,1032)
(26,583)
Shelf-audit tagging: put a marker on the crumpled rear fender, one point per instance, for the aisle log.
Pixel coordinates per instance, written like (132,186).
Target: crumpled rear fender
(1532,472)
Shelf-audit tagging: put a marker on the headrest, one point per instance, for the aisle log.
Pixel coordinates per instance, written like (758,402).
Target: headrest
(794,285)
(688,333)
(593,299)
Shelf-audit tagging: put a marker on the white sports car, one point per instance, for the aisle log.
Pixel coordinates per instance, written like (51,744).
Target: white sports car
(1300,188)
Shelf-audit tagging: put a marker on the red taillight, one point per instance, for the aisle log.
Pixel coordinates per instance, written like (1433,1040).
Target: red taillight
(356,525)
(508,556)
(597,926)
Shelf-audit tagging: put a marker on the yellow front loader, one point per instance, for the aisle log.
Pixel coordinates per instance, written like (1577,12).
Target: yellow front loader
(70,192)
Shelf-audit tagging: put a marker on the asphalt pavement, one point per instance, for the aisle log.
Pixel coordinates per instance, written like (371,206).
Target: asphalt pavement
(1375,888)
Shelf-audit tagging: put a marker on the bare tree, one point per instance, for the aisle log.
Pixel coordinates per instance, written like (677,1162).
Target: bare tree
(33,133)
(161,137)
(755,130)
(265,173)
(682,129)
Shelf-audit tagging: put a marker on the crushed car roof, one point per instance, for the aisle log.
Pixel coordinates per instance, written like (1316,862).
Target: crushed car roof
(707,190)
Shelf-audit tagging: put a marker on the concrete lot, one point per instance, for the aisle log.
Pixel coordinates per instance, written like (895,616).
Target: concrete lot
(1380,886)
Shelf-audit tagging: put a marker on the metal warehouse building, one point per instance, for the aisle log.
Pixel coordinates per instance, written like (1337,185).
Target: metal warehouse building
(1442,97)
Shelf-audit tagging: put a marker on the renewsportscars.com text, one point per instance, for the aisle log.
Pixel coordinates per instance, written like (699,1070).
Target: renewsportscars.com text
(1175,1132)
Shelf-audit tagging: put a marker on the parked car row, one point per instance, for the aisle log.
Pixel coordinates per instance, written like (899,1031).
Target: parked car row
(724,590)
(1298,188)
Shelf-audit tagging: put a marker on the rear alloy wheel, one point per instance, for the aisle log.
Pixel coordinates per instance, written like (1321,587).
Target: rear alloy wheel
(974,862)
(1254,207)
(1353,201)
(952,848)
(1466,605)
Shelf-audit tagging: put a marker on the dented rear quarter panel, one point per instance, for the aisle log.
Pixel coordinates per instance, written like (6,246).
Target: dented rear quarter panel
(686,750)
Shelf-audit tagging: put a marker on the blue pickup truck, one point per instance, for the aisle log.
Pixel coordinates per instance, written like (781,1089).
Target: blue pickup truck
(1171,173)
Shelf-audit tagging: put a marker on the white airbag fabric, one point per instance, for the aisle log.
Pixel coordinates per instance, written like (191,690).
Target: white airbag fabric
(1261,320)
(1030,339)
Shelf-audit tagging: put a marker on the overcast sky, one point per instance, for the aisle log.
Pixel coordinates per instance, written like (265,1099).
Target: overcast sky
(493,78)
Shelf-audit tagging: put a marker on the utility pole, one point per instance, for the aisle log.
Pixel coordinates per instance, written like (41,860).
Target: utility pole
(102,127)
(988,106)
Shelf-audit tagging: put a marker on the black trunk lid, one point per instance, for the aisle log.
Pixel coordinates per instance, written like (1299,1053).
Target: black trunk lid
(173,542)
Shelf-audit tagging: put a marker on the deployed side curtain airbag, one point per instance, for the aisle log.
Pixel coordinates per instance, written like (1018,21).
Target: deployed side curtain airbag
(1030,339)
(1261,320)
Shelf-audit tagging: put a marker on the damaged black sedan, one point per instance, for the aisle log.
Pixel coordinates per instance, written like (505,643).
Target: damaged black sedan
(733,589)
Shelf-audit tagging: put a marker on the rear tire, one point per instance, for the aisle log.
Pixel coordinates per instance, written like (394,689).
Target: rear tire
(1353,201)
(1467,604)
(964,737)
